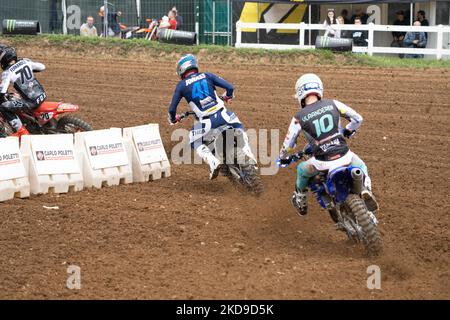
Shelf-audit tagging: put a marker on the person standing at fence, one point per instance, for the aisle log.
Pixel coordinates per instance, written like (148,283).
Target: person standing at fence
(113,24)
(423,21)
(53,21)
(88,29)
(328,24)
(359,36)
(178,18)
(359,13)
(399,36)
(415,40)
(343,33)
(344,15)
(169,21)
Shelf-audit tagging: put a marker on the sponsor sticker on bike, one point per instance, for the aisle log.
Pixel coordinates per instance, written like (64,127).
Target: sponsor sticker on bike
(11,165)
(54,154)
(148,143)
(106,148)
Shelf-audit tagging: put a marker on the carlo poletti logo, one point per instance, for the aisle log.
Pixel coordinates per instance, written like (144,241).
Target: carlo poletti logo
(40,156)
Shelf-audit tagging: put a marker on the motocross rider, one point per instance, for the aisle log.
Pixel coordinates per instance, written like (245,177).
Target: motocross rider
(199,90)
(19,72)
(319,120)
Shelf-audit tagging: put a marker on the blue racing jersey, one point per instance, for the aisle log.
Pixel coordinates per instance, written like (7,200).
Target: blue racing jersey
(199,90)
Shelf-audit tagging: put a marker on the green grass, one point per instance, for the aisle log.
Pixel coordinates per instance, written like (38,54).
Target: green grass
(320,57)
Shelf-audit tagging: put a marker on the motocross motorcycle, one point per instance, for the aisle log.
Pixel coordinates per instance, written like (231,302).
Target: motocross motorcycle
(48,118)
(338,191)
(228,145)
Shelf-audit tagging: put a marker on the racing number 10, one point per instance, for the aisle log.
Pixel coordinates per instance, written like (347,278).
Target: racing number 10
(320,124)
(200,89)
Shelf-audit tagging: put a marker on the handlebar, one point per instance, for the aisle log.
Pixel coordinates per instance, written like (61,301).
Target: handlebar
(297,156)
(186,114)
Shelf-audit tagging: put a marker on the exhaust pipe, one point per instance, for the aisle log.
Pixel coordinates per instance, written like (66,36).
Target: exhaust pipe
(357,176)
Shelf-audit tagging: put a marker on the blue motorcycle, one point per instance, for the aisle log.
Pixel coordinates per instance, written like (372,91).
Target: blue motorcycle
(338,191)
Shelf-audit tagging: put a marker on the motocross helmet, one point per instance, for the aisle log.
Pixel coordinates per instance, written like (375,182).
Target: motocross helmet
(7,54)
(306,85)
(186,63)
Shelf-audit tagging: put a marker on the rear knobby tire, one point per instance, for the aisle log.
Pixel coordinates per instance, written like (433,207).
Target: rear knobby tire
(254,183)
(372,239)
(71,124)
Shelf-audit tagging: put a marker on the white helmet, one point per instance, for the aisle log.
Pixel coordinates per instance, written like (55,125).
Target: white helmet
(307,84)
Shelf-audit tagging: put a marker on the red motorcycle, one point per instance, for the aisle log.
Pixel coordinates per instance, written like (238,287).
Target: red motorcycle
(49,118)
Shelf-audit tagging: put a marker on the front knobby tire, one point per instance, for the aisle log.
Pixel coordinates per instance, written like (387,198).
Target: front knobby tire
(71,124)
(372,239)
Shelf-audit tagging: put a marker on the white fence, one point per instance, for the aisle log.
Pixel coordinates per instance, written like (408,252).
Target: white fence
(438,50)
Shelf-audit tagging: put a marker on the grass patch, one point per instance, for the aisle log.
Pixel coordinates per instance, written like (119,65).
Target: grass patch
(126,47)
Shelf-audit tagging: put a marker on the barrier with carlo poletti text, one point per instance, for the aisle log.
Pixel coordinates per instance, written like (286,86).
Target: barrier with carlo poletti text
(64,162)
(146,153)
(52,164)
(13,177)
(104,157)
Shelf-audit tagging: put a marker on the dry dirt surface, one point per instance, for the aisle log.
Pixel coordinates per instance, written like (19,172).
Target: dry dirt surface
(186,237)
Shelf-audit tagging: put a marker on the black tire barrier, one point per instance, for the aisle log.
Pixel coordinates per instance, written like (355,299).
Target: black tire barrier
(177,37)
(334,44)
(21,27)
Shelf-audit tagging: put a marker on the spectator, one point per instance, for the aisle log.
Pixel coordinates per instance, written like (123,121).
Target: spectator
(398,36)
(88,29)
(53,21)
(113,24)
(343,33)
(328,23)
(359,13)
(169,21)
(344,15)
(423,20)
(178,18)
(415,40)
(359,36)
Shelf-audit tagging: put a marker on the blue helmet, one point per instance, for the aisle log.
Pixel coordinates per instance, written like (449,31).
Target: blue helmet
(186,63)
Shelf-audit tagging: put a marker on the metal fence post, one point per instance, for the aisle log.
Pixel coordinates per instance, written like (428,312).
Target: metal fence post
(105,19)
(197,17)
(214,22)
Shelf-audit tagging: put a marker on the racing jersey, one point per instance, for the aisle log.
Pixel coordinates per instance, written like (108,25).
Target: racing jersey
(21,75)
(199,90)
(321,125)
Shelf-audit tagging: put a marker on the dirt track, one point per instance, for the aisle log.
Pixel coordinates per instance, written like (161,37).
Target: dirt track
(187,237)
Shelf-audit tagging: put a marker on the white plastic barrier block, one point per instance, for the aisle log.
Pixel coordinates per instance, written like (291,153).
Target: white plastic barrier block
(52,163)
(146,153)
(13,178)
(104,157)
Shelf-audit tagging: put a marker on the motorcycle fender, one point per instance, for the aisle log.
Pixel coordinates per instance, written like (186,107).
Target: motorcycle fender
(45,117)
(339,183)
(67,107)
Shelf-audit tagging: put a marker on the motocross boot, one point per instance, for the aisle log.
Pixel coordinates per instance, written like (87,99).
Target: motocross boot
(368,197)
(21,132)
(299,201)
(214,163)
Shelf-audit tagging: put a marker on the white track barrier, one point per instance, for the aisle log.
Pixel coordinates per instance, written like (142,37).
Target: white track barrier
(104,157)
(13,179)
(52,163)
(146,153)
